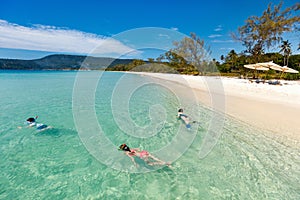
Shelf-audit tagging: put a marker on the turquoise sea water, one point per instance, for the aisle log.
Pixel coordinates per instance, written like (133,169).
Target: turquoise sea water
(246,163)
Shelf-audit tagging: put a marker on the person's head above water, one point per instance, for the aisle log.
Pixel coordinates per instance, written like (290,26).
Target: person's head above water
(124,147)
(180,110)
(31,119)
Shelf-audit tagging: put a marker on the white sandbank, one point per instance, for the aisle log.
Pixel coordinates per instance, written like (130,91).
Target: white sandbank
(271,107)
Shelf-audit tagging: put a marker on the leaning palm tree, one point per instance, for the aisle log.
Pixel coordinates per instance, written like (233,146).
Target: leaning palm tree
(287,51)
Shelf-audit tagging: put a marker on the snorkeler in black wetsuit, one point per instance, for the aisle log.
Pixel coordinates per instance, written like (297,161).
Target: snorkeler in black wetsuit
(184,118)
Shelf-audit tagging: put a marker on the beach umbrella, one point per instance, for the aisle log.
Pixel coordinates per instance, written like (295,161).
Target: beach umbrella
(277,67)
(284,69)
(256,67)
(268,64)
(289,70)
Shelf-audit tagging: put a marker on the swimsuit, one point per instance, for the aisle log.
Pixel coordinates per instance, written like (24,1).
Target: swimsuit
(182,115)
(142,153)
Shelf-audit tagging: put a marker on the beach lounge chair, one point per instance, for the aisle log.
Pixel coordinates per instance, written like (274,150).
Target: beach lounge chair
(259,80)
(274,82)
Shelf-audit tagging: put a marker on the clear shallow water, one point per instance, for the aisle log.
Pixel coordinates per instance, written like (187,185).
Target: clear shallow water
(246,163)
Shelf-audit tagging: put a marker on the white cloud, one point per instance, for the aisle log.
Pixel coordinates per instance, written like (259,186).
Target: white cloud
(222,41)
(227,48)
(53,39)
(218,28)
(214,35)
(174,28)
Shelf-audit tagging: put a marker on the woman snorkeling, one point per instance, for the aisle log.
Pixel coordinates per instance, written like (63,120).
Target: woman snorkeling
(144,155)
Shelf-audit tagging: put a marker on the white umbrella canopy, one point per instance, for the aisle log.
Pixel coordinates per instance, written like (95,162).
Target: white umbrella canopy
(286,69)
(269,64)
(256,67)
(277,67)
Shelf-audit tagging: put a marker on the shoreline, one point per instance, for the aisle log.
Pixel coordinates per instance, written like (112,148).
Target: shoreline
(273,108)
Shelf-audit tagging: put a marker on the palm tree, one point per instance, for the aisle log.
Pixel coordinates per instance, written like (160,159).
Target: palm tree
(287,51)
(232,57)
(222,57)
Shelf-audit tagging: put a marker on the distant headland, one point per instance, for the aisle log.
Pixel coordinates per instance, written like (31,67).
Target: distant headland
(63,62)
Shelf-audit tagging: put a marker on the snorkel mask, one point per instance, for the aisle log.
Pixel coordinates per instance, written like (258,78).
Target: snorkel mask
(30,120)
(124,147)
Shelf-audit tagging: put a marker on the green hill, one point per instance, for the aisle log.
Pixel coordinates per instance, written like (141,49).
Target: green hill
(62,62)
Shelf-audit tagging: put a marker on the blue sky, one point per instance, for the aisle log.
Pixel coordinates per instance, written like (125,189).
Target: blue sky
(32,29)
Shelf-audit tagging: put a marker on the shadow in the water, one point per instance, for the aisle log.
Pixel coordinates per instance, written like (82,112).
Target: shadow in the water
(56,132)
(143,166)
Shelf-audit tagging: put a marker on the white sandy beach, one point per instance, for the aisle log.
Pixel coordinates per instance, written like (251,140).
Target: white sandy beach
(271,107)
